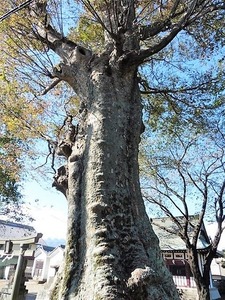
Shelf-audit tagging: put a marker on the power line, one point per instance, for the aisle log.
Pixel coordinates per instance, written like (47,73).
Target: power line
(15,9)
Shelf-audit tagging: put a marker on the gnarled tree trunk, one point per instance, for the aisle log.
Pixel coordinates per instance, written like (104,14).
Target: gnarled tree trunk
(201,278)
(112,251)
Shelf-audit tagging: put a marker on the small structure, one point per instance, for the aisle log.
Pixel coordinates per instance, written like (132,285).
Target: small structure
(17,246)
(218,273)
(218,269)
(174,253)
(47,262)
(10,231)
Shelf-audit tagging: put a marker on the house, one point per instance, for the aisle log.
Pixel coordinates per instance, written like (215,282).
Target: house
(47,262)
(174,253)
(218,269)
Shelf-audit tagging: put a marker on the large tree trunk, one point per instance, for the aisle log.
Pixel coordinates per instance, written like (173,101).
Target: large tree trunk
(203,291)
(202,279)
(202,285)
(112,251)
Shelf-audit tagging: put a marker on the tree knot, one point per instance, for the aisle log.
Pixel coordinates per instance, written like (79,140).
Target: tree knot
(141,276)
(61,180)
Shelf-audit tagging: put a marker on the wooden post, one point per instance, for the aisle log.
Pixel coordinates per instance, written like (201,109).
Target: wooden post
(188,274)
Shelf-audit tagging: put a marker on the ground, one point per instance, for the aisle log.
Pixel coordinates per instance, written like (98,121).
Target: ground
(32,286)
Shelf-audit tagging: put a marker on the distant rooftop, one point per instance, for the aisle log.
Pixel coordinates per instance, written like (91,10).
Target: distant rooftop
(11,230)
(171,241)
(49,250)
(46,248)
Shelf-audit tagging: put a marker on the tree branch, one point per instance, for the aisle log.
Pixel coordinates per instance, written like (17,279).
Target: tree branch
(149,31)
(51,86)
(54,40)
(44,32)
(140,56)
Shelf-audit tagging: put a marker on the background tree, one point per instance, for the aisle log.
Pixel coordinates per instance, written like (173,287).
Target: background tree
(17,137)
(11,202)
(12,206)
(111,252)
(185,177)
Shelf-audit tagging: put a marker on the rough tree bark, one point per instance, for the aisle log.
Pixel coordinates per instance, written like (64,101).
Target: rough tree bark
(111,252)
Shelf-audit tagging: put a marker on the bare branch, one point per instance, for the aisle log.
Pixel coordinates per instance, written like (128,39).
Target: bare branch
(220,202)
(51,86)
(153,200)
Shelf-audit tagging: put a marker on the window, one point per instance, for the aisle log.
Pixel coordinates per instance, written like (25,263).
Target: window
(177,270)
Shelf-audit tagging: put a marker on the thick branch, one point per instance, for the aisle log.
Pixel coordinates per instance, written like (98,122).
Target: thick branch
(220,215)
(149,31)
(157,27)
(165,40)
(54,40)
(51,37)
(139,57)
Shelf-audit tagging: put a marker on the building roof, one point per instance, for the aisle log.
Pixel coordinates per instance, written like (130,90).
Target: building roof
(15,231)
(171,241)
(45,248)
(59,248)
(48,251)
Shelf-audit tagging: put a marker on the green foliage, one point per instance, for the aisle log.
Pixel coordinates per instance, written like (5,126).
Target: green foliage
(88,33)
(11,202)
(9,190)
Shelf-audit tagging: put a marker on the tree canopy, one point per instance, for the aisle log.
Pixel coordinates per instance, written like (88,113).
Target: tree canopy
(183,81)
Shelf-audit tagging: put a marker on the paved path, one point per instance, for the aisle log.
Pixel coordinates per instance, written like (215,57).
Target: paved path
(32,286)
(33,289)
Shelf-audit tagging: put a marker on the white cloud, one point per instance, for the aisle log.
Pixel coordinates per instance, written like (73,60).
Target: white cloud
(50,222)
(49,209)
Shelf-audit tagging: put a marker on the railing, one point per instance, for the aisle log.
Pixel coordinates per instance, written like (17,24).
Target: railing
(183,281)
